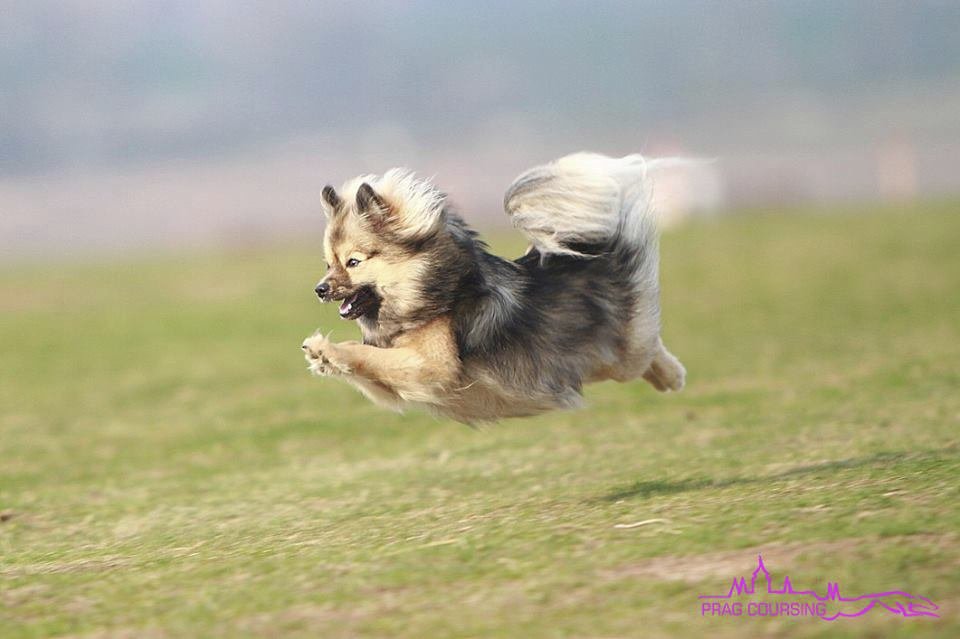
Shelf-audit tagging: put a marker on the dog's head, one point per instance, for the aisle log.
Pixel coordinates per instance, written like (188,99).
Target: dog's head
(377,228)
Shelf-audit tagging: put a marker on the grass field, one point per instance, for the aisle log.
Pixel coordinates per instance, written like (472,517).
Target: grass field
(169,469)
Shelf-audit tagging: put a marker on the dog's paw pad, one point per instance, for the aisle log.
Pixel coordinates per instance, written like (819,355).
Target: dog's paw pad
(313,347)
(319,367)
(323,357)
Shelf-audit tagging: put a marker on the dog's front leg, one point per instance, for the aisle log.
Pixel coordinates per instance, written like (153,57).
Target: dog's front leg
(326,359)
(321,356)
(400,370)
(403,370)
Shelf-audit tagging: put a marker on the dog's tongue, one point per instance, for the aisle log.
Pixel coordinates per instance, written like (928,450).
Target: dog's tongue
(347,305)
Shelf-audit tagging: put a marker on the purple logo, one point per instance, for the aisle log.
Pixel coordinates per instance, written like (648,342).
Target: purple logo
(806,603)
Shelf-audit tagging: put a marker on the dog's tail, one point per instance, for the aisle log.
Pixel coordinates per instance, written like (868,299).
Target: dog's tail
(594,207)
(586,204)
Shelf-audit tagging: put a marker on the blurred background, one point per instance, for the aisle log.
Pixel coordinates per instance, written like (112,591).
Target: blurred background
(129,126)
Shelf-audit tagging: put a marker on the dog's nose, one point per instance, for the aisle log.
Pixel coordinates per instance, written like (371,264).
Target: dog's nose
(323,289)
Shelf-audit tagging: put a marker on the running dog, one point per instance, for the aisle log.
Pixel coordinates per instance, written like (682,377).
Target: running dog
(449,327)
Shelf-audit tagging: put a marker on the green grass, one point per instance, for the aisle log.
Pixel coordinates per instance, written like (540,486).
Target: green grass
(169,469)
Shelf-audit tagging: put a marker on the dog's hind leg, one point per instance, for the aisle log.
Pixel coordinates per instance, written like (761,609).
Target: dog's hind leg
(665,372)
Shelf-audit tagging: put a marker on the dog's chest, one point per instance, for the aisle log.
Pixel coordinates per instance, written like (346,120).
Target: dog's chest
(375,335)
(384,334)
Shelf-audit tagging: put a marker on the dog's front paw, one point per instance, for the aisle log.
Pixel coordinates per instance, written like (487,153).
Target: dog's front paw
(323,357)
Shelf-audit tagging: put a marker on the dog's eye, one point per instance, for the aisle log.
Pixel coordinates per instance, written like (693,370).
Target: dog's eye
(352,262)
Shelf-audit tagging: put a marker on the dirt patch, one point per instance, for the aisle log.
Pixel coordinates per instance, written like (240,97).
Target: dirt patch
(326,621)
(12,597)
(121,633)
(57,567)
(724,564)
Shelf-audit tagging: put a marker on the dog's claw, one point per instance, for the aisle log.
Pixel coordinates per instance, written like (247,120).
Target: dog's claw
(321,356)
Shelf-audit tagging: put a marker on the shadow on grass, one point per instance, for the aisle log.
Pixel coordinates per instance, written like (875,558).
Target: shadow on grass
(651,488)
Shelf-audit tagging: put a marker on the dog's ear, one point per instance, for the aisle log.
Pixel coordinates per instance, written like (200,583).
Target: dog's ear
(372,208)
(370,204)
(332,204)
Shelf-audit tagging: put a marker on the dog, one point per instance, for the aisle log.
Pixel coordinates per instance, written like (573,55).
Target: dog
(449,327)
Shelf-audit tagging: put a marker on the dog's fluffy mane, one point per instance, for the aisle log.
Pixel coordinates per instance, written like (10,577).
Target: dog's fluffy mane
(416,206)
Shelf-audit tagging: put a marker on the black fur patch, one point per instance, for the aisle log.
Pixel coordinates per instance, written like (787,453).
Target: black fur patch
(330,197)
(369,201)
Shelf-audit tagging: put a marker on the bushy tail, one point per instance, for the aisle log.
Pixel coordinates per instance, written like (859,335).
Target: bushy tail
(594,206)
(585,200)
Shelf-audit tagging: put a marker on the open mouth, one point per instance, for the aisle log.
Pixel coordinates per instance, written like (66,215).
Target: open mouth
(361,303)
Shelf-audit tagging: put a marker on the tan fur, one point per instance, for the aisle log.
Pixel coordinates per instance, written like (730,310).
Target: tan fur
(395,272)
(421,366)
(665,373)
